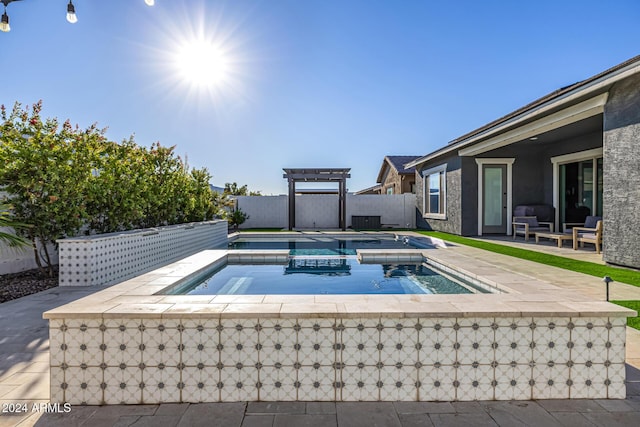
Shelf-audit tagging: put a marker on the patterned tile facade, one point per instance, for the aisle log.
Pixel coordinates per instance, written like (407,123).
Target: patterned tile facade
(137,361)
(112,258)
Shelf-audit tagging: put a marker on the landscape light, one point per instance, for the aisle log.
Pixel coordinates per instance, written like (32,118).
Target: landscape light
(71,13)
(607,280)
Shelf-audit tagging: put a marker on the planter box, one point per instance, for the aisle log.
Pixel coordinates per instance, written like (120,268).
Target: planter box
(107,259)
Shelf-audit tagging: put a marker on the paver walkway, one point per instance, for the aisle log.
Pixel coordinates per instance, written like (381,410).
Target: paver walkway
(24,379)
(545,413)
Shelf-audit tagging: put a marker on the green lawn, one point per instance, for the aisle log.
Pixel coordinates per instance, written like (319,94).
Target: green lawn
(634,322)
(622,275)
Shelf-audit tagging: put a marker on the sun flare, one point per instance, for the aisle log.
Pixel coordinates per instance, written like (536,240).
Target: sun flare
(202,63)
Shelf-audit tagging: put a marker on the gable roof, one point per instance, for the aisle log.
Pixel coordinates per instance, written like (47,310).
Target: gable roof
(554,101)
(397,162)
(371,189)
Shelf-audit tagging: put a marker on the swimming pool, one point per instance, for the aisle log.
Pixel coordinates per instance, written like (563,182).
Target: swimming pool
(326,245)
(133,344)
(306,275)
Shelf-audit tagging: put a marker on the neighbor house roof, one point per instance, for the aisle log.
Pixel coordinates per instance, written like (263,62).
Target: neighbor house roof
(398,163)
(546,105)
(371,189)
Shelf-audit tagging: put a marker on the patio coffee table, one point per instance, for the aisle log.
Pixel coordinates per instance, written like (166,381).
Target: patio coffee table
(560,237)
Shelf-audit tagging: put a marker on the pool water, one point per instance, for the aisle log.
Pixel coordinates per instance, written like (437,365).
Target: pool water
(321,245)
(324,275)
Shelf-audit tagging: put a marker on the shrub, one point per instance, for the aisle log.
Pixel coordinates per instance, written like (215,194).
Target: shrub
(64,181)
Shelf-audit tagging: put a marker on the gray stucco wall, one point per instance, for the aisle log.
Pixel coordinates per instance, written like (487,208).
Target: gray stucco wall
(533,170)
(527,172)
(622,174)
(469,196)
(453,221)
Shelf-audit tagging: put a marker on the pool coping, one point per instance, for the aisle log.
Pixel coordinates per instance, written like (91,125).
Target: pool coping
(524,296)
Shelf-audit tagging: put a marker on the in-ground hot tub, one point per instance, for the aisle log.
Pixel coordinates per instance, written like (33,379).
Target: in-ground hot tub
(129,344)
(325,275)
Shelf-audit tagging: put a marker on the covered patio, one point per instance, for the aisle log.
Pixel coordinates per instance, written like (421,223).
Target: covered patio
(573,150)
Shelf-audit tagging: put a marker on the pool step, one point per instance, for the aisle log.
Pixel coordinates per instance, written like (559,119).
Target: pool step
(377,256)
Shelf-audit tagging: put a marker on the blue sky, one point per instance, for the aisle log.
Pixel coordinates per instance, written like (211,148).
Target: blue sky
(314,83)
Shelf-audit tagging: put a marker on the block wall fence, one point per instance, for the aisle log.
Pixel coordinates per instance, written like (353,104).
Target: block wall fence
(107,259)
(320,211)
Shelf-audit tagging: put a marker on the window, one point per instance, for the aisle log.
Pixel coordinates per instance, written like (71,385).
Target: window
(390,190)
(435,192)
(578,185)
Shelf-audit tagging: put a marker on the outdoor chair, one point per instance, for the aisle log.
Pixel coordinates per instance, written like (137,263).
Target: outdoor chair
(526,225)
(590,222)
(584,235)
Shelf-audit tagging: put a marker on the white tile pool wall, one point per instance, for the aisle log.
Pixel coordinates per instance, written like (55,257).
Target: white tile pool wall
(205,359)
(111,258)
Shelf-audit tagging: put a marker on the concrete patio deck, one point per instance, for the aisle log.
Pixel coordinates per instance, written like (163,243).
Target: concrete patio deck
(588,253)
(24,379)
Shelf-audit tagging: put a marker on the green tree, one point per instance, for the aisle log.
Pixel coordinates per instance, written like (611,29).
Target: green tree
(232,189)
(237,217)
(64,180)
(200,203)
(222,204)
(117,187)
(44,171)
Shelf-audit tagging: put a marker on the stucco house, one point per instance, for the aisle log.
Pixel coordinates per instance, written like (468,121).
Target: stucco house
(394,177)
(577,149)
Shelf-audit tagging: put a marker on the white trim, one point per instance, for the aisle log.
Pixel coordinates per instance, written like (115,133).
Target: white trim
(425,177)
(578,157)
(496,161)
(594,154)
(583,110)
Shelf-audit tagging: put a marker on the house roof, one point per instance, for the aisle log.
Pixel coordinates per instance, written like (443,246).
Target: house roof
(369,189)
(398,163)
(553,101)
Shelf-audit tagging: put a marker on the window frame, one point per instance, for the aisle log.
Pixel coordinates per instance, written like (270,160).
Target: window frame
(441,170)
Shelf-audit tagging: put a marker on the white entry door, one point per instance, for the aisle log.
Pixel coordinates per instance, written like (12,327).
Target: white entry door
(494,199)
(494,195)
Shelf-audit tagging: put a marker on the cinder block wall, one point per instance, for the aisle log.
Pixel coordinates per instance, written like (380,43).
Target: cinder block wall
(265,211)
(320,211)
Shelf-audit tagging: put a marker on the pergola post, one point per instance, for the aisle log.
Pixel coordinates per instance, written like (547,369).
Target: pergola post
(292,204)
(342,204)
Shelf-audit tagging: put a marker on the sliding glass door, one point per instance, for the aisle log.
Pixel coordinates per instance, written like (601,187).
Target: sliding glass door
(580,190)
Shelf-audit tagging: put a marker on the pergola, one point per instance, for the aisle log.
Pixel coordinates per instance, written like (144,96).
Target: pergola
(338,175)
